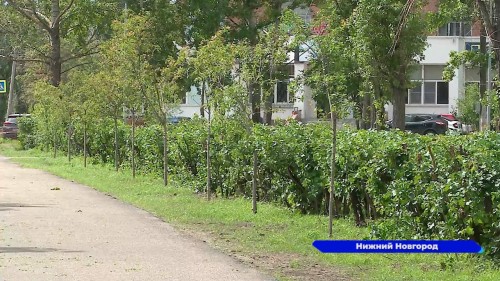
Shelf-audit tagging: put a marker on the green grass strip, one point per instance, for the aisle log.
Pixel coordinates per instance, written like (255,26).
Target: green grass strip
(276,240)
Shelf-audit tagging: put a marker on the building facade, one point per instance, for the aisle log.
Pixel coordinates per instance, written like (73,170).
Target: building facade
(431,93)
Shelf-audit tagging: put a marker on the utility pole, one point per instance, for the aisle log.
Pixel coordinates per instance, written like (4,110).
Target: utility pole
(12,97)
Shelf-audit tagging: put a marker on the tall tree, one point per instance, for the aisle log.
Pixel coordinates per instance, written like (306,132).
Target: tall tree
(56,33)
(485,11)
(390,35)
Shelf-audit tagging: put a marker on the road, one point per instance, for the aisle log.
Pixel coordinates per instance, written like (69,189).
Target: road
(77,233)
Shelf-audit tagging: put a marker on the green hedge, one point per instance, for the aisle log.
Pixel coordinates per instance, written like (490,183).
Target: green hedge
(410,186)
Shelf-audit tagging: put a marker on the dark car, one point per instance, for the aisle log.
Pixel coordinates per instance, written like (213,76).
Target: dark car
(10,128)
(425,124)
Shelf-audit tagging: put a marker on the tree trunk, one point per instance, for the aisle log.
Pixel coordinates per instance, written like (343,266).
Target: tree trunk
(332,171)
(55,45)
(116,144)
(366,112)
(165,151)
(399,108)
(133,144)
(54,138)
(85,145)
(209,167)
(69,143)
(255,101)
(254,181)
(483,73)
(268,105)
(11,103)
(202,106)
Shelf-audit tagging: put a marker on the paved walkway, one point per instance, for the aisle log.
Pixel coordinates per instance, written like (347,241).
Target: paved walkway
(77,233)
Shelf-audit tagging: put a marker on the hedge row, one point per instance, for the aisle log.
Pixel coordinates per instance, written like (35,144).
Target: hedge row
(411,186)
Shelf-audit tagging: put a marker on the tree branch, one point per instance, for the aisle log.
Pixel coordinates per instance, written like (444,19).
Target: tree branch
(490,29)
(63,12)
(235,23)
(75,66)
(12,58)
(81,55)
(31,15)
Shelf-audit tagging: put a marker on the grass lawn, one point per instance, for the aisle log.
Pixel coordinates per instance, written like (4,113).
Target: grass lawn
(275,240)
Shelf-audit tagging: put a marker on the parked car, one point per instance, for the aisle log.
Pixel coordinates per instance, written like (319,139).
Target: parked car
(10,128)
(453,123)
(177,119)
(424,124)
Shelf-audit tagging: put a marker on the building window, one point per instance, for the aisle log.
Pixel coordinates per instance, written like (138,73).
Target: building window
(282,93)
(415,96)
(455,29)
(443,94)
(183,98)
(429,92)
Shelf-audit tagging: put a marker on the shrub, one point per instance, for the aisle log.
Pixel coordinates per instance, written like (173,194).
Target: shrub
(27,132)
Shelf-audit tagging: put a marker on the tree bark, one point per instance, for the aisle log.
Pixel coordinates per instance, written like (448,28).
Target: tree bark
(332,171)
(209,167)
(491,20)
(254,181)
(54,138)
(55,45)
(483,70)
(165,156)
(399,107)
(85,145)
(69,143)
(202,106)
(11,103)
(268,106)
(133,144)
(366,112)
(255,102)
(116,144)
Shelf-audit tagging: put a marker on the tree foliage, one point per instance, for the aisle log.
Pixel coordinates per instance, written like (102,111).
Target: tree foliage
(59,34)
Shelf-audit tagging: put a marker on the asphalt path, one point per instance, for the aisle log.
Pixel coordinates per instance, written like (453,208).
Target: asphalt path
(54,229)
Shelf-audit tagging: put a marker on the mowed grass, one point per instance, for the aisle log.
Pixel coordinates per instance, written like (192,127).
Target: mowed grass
(230,225)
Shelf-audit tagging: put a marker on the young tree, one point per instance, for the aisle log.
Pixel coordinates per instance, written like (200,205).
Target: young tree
(259,65)
(132,47)
(212,66)
(165,87)
(328,75)
(110,98)
(83,88)
(48,111)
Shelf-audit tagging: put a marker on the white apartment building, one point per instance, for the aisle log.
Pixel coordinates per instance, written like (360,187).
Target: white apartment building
(431,95)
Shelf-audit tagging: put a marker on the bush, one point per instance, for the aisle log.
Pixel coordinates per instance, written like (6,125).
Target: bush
(411,186)
(27,132)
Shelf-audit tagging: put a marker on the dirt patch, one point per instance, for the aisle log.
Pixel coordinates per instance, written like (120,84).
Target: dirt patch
(283,265)
(293,266)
